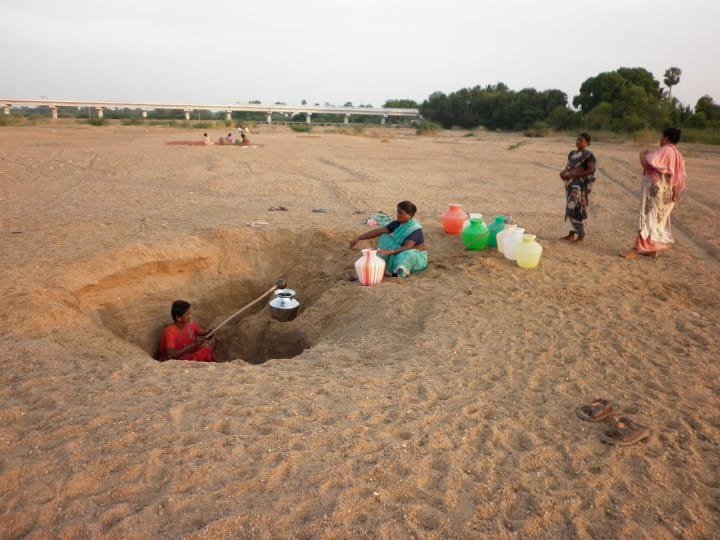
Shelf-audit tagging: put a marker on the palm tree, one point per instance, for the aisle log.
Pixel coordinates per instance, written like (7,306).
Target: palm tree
(672,77)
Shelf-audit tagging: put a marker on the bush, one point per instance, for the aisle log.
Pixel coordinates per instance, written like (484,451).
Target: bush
(188,124)
(599,117)
(301,128)
(689,135)
(702,136)
(698,120)
(11,119)
(538,129)
(560,118)
(426,127)
(168,123)
(95,121)
(646,136)
(630,124)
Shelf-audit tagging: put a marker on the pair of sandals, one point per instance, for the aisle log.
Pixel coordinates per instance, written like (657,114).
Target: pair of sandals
(623,430)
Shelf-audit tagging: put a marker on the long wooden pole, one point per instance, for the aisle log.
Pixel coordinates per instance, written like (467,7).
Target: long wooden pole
(239,311)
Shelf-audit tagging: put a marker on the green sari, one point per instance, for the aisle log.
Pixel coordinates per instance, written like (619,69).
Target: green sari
(404,263)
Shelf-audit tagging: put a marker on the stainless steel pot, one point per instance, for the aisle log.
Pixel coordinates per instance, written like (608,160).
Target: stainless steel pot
(284,307)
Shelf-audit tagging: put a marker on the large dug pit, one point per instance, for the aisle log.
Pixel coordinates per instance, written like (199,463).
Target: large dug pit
(219,279)
(258,338)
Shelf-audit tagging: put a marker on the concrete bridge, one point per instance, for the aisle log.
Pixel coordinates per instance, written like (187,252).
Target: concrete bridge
(308,110)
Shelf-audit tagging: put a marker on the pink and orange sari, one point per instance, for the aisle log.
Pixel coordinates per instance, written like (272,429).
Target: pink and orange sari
(663,178)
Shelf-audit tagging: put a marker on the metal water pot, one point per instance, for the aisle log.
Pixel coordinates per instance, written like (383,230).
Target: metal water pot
(284,307)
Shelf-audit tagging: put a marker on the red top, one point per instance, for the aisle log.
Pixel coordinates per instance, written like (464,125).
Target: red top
(176,339)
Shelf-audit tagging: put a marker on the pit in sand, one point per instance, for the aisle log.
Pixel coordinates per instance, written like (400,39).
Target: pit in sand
(219,278)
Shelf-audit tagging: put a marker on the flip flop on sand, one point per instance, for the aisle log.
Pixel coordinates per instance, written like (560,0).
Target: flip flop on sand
(598,410)
(625,432)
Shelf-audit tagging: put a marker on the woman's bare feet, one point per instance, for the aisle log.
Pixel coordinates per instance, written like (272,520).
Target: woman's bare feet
(570,236)
(630,254)
(579,239)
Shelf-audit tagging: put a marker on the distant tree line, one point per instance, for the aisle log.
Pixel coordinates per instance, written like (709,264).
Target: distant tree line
(624,100)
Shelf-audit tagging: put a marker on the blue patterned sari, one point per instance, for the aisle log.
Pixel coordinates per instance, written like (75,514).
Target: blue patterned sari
(404,263)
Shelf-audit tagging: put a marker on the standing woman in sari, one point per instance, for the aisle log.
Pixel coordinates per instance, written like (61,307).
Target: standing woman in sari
(579,179)
(401,242)
(663,179)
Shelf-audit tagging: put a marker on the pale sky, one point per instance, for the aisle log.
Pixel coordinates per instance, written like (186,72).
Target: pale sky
(335,51)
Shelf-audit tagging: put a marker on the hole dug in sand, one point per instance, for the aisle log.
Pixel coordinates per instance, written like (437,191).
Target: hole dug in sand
(218,279)
(257,338)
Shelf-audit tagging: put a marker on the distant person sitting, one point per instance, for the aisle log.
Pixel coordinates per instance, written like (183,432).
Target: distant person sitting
(244,141)
(206,140)
(184,339)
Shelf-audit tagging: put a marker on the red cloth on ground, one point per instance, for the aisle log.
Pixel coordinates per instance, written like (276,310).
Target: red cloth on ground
(176,339)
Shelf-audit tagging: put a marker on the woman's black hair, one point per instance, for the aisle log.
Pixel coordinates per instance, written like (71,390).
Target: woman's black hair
(585,135)
(407,207)
(179,308)
(672,134)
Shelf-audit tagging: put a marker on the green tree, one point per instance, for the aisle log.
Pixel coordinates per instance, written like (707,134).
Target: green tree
(632,94)
(643,78)
(698,120)
(562,118)
(672,77)
(553,99)
(600,116)
(617,86)
(708,108)
(493,106)
(436,108)
(401,104)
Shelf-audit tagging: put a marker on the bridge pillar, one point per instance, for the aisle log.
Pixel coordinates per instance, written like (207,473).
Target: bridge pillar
(187,114)
(144,113)
(347,118)
(228,115)
(307,117)
(99,111)
(269,118)
(6,109)
(53,112)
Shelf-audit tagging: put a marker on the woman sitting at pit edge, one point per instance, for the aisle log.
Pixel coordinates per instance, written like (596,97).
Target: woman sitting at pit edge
(401,242)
